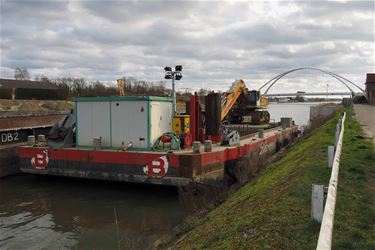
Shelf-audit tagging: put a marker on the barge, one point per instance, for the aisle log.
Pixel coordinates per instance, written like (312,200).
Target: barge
(113,138)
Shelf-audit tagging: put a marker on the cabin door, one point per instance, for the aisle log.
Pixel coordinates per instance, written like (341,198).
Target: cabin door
(155,121)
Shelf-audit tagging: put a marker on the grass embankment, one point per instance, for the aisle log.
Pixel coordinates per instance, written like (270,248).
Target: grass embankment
(273,211)
(34,105)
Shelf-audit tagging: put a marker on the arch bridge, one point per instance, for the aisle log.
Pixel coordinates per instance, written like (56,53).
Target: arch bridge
(344,81)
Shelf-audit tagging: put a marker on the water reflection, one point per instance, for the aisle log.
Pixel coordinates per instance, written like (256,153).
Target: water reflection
(49,212)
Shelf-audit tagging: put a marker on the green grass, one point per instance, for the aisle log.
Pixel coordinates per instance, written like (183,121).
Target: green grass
(58,105)
(273,211)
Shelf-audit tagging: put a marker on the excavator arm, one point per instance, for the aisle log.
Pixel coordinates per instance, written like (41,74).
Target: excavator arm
(230,97)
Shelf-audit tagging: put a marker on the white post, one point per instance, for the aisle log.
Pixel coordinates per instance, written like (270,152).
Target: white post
(331,154)
(337,132)
(317,199)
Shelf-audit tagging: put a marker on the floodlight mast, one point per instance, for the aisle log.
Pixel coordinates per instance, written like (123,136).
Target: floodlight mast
(174,108)
(174,75)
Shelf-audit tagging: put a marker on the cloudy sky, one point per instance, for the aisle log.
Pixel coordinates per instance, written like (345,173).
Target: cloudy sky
(215,41)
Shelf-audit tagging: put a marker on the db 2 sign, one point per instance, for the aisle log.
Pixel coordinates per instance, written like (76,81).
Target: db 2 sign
(157,168)
(9,137)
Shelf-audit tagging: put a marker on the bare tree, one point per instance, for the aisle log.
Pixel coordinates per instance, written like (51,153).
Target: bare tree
(202,92)
(21,74)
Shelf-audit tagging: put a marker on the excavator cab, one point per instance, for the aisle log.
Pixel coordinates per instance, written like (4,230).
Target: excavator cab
(253,97)
(239,105)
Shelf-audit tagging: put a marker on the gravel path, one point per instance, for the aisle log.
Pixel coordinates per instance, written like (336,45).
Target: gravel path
(366,116)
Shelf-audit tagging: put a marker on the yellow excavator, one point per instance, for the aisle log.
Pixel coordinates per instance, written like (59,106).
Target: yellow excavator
(239,105)
(121,87)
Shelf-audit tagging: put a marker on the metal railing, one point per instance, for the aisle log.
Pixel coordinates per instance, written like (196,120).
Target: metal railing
(326,229)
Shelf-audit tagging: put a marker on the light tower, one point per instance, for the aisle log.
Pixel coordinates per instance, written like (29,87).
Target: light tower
(174,75)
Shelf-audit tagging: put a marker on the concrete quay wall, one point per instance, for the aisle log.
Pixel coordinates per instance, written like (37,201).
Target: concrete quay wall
(323,110)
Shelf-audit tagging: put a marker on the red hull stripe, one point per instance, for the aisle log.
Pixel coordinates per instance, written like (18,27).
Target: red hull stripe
(144,158)
(131,158)
(235,153)
(212,158)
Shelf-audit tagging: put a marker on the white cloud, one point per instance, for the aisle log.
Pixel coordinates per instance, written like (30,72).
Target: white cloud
(216,42)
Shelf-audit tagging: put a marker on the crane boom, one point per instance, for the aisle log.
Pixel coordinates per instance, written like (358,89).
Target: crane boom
(230,97)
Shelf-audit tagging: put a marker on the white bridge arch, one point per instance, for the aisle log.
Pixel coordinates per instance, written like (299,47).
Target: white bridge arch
(348,84)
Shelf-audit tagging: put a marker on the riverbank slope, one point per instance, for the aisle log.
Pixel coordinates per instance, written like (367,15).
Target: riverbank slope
(273,211)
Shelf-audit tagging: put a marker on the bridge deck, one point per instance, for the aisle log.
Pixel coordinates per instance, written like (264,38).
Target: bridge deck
(310,94)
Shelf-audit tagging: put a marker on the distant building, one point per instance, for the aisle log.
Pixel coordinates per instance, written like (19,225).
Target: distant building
(370,88)
(25,84)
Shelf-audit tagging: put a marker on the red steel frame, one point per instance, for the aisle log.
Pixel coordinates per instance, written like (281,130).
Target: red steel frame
(196,129)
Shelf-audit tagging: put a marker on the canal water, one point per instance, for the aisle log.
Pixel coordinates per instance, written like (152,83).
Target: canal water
(43,212)
(300,112)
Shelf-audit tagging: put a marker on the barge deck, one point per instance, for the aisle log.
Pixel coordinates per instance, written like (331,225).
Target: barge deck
(175,167)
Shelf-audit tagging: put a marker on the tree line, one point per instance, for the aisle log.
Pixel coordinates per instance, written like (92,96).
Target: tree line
(69,87)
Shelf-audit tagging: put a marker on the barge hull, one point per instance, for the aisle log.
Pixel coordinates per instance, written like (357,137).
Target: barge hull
(175,168)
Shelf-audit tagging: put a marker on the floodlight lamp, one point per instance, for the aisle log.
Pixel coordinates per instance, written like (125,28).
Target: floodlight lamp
(168,68)
(178,76)
(168,76)
(178,67)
